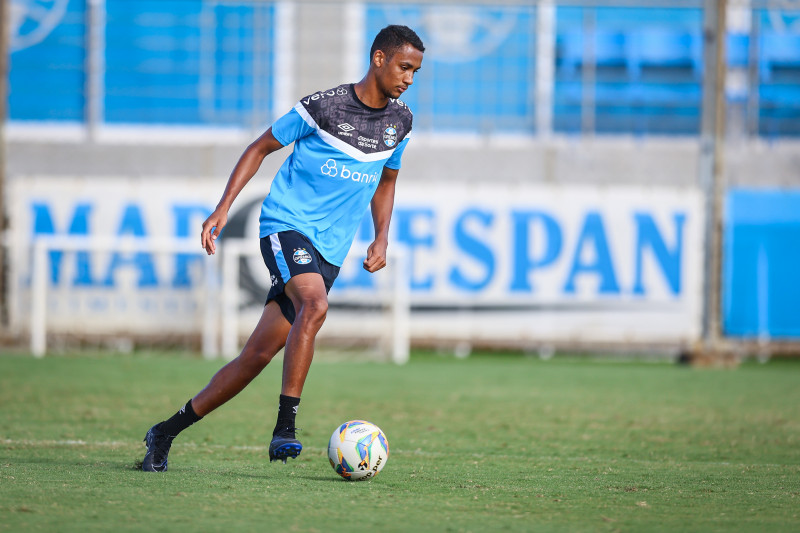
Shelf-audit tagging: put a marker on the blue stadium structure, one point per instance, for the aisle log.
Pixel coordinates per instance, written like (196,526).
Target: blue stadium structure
(211,63)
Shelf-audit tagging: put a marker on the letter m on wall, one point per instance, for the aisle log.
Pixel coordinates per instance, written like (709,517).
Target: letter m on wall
(78,224)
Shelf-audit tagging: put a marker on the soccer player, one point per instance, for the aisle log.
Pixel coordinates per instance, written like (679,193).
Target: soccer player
(348,144)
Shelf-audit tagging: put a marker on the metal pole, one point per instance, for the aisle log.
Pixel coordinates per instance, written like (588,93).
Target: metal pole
(712,137)
(401,307)
(95,66)
(38,316)
(210,333)
(589,74)
(545,69)
(5,51)
(753,94)
(232,252)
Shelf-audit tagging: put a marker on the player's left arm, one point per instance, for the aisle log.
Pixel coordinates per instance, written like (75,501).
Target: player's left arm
(382,204)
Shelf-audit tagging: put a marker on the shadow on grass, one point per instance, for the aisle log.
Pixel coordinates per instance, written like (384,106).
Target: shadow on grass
(236,474)
(324,478)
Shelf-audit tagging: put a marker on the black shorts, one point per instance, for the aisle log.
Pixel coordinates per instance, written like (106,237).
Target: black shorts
(287,254)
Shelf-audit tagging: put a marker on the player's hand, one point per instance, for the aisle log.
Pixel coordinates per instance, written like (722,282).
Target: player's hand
(376,256)
(211,229)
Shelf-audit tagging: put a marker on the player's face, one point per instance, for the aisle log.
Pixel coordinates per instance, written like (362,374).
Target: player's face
(396,73)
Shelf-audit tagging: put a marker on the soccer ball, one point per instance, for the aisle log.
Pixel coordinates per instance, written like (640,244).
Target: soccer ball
(358,450)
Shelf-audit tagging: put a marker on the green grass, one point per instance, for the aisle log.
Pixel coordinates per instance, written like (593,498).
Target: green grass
(490,443)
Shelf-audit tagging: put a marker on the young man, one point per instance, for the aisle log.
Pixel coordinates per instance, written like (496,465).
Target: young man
(348,145)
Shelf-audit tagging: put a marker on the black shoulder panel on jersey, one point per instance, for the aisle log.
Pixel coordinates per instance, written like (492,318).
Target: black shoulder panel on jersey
(339,113)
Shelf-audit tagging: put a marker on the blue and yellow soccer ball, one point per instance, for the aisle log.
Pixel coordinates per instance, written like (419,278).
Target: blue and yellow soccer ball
(358,450)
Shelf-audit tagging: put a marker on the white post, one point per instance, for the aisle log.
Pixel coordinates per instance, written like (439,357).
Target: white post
(283,67)
(401,308)
(738,82)
(39,300)
(231,253)
(210,333)
(545,67)
(356,49)
(95,66)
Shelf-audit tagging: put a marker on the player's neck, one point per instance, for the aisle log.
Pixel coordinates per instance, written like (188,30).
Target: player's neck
(367,91)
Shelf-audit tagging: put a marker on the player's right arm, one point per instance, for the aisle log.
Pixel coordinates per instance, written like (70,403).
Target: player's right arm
(245,169)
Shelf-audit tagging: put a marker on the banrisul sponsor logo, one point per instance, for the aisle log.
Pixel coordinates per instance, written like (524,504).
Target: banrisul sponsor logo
(361,177)
(329,168)
(390,136)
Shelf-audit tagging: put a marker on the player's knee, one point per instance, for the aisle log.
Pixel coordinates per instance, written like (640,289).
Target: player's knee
(314,309)
(253,359)
(259,351)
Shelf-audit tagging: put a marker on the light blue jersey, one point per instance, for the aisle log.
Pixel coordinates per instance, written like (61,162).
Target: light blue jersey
(325,186)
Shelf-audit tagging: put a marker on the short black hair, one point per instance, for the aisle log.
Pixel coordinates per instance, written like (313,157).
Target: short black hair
(393,37)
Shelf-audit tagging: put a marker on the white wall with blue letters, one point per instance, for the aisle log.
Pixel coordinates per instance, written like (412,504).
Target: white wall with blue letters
(541,262)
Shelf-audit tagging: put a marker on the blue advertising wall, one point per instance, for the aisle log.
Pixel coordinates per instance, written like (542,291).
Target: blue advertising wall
(761,279)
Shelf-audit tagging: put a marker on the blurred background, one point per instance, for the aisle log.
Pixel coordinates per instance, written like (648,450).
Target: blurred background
(583,175)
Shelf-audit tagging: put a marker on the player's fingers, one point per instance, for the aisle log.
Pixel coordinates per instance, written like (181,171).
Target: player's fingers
(374,263)
(369,262)
(203,238)
(207,237)
(379,264)
(208,245)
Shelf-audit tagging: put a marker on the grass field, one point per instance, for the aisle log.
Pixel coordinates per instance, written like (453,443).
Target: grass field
(490,443)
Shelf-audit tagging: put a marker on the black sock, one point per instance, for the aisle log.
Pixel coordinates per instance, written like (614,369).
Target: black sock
(180,420)
(287,411)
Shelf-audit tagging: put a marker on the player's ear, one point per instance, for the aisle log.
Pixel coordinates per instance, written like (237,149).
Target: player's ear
(378,58)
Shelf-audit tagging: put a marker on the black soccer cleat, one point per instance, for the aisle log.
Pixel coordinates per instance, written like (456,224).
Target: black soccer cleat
(284,445)
(158,445)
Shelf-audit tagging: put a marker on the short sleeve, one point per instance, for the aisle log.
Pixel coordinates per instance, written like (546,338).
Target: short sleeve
(291,127)
(394,161)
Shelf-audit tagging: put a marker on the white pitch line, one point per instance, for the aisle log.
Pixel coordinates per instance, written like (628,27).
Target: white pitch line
(474,455)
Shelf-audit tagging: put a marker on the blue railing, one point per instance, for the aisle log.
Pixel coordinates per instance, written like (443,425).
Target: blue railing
(165,62)
(47,66)
(179,62)
(630,70)
(478,75)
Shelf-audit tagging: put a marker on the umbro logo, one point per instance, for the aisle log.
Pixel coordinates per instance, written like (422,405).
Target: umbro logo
(345,127)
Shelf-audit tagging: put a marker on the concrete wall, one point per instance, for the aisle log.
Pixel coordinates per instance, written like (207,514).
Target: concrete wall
(594,161)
